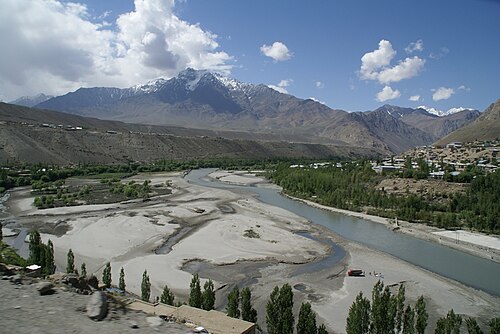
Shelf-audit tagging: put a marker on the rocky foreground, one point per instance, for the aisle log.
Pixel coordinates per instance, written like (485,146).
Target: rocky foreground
(31,305)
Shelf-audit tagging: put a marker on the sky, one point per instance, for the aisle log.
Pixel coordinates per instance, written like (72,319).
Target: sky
(354,55)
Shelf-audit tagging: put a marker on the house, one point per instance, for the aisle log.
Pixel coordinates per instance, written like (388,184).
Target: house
(213,321)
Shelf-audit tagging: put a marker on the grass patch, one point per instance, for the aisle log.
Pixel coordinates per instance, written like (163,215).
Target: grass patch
(8,255)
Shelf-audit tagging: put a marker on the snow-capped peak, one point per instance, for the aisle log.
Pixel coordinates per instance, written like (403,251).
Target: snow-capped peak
(440,113)
(149,87)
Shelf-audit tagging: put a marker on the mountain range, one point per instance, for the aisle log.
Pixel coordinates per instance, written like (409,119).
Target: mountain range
(207,100)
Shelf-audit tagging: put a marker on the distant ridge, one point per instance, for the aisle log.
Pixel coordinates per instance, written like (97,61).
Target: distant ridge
(33,135)
(210,101)
(486,127)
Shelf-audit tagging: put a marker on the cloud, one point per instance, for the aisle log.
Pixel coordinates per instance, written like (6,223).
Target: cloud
(387,93)
(462,87)
(415,46)
(281,87)
(373,61)
(375,65)
(414,98)
(319,84)
(406,69)
(440,54)
(73,51)
(442,93)
(278,51)
(316,100)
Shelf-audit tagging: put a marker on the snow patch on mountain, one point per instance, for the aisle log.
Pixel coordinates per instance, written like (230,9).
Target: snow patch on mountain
(440,113)
(149,87)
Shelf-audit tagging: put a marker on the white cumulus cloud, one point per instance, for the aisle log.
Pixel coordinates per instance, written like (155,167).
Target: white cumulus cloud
(371,62)
(387,93)
(281,87)
(55,46)
(319,84)
(278,51)
(414,98)
(415,46)
(406,69)
(375,65)
(442,93)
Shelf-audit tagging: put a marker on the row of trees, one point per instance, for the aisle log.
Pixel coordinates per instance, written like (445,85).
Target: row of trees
(41,254)
(353,187)
(280,318)
(239,304)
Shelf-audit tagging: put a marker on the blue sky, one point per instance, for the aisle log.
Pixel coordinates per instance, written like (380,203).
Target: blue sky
(351,55)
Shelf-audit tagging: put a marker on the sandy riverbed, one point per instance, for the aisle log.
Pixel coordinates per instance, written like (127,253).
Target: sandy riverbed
(216,221)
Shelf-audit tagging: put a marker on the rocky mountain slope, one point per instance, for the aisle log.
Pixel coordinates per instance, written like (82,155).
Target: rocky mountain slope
(32,135)
(206,100)
(485,127)
(31,101)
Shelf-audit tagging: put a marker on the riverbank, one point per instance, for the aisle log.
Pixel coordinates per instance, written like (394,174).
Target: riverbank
(236,240)
(473,243)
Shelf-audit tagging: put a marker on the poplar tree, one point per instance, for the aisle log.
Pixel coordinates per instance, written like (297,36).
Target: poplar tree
(121,282)
(473,327)
(279,310)
(106,275)
(306,324)
(233,300)
(35,247)
(145,287)
(400,305)
(409,321)
(49,266)
(167,297)
(322,329)
(195,295)
(422,316)
(358,320)
(248,313)
(83,269)
(70,265)
(208,296)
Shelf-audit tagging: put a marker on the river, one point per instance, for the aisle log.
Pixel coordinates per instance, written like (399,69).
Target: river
(471,270)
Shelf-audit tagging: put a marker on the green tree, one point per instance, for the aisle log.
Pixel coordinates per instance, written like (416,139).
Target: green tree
(306,323)
(449,325)
(273,312)
(49,266)
(400,305)
(167,297)
(279,310)
(358,320)
(195,295)
(322,329)
(233,300)
(208,296)
(35,248)
(409,321)
(383,310)
(121,282)
(248,313)
(70,264)
(83,269)
(145,287)
(472,326)
(422,315)
(494,325)
(106,275)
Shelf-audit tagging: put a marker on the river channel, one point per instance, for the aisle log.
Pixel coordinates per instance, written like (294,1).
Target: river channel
(471,270)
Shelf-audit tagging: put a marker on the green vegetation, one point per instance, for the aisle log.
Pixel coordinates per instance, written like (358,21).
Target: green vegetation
(279,310)
(353,187)
(306,324)
(195,296)
(208,296)
(106,275)
(233,301)
(250,233)
(145,287)
(8,255)
(248,313)
(70,263)
(167,297)
(41,254)
(121,282)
